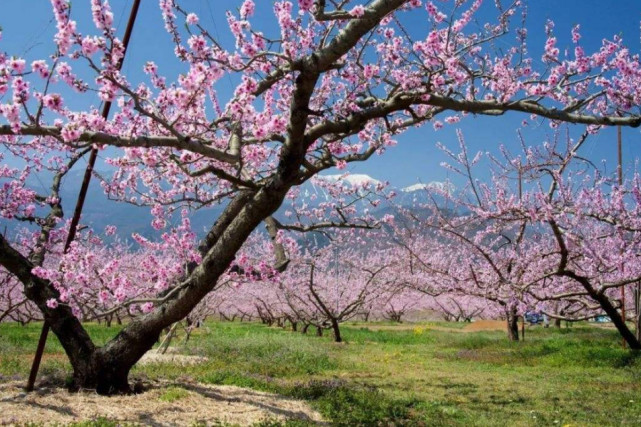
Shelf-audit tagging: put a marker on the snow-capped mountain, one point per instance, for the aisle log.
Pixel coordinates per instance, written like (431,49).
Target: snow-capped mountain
(434,185)
(100,212)
(314,190)
(351,179)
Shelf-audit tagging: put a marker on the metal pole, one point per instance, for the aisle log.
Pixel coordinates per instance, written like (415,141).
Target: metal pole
(637,307)
(73,227)
(520,182)
(620,172)
(520,198)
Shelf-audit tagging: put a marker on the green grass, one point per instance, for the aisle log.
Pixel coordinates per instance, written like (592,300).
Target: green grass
(411,375)
(173,394)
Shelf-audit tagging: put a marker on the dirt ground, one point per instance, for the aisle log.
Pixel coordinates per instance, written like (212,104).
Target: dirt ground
(476,326)
(164,404)
(486,325)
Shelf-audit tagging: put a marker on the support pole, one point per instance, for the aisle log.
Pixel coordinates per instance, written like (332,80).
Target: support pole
(620,172)
(73,227)
(637,309)
(520,198)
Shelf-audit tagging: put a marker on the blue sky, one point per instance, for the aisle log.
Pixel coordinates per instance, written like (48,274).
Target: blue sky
(28,27)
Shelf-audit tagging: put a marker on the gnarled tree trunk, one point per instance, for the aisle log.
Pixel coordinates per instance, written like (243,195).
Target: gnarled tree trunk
(512,323)
(106,369)
(337,331)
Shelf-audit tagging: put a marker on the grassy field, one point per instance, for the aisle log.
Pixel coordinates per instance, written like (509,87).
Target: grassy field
(406,376)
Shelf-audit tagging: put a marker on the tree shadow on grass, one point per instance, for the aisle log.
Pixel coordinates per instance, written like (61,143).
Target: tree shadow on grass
(251,398)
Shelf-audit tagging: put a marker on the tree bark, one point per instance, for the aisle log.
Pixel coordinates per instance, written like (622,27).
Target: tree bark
(106,369)
(637,310)
(630,338)
(605,303)
(512,324)
(337,331)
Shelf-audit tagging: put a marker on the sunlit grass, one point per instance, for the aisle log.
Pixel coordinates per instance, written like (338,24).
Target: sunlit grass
(410,375)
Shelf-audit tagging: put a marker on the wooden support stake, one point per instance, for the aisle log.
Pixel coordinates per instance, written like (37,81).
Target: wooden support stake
(620,153)
(73,227)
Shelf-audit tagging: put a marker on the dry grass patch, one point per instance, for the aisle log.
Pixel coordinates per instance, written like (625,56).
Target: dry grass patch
(171,357)
(163,404)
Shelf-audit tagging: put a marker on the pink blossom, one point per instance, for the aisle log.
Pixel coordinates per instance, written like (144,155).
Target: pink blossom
(53,101)
(358,11)
(40,67)
(247,9)
(191,19)
(305,5)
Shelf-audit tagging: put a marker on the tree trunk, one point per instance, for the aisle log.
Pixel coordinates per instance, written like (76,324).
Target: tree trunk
(609,309)
(637,310)
(557,323)
(294,326)
(337,331)
(103,376)
(106,369)
(305,328)
(512,324)
(621,326)
(319,331)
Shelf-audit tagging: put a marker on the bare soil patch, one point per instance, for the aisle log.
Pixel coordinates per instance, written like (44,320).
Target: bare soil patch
(476,326)
(486,325)
(163,404)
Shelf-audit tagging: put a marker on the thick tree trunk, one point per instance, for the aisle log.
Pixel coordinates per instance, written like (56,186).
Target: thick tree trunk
(106,376)
(630,338)
(319,331)
(557,323)
(337,331)
(605,303)
(609,309)
(512,324)
(106,369)
(637,310)
(305,328)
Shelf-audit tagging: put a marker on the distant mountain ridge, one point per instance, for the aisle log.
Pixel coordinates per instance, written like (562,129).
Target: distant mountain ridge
(100,212)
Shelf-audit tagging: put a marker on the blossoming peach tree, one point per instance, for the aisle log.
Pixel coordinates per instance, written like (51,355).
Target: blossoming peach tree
(336,83)
(565,244)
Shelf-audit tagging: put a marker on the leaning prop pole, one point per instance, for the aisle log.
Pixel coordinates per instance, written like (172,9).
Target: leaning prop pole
(73,227)
(620,176)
